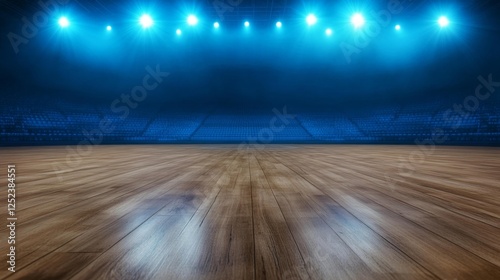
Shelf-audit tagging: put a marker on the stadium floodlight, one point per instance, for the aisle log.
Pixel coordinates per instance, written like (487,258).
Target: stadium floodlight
(443,21)
(192,20)
(109,28)
(311,19)
(328,32)
(216,25)
(279,24)
(146,21)
(357,20)
(178,32)
(247,24)
(397,27)
(63,22)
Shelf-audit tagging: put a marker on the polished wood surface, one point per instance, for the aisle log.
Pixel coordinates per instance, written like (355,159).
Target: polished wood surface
(279,212)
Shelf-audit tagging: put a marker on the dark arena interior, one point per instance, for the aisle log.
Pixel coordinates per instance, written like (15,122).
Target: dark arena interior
(247,139)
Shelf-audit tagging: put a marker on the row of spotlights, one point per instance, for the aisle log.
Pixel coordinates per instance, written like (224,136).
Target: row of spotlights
(357,21)
(328,31)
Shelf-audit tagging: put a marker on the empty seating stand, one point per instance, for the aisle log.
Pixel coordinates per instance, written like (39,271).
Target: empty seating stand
(44,121)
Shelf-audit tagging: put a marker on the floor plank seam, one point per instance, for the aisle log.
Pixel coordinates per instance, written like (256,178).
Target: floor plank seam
(361,221)
(287,222)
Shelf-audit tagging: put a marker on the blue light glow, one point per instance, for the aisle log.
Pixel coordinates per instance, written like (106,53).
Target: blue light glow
(192,20)
(278,24)
(397,27)
(63,22)
(311,19)
(216,25)
(109,28)
(146,21)
(443,21)
(178,32)
(247,24)
(357,20)
(328,32)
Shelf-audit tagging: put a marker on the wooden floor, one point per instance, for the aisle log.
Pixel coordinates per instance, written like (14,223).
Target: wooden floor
(284,212)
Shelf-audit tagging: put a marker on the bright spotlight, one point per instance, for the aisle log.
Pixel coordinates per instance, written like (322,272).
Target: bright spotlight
(216,25)
(328,32)
(311,19)
(397,27)
(178,32)
(64,22)
(109,28)
(278,24)
(247,24)
(146,21)
(443,21)
(192,20)
(357,20)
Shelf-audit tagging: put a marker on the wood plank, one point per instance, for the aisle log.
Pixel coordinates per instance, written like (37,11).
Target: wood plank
(217,212)
(430,250)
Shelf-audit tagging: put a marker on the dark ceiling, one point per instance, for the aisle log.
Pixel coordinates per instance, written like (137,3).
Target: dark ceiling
(259,66)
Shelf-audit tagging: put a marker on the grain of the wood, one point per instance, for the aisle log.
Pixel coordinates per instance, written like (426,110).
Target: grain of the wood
(276,253)
(439,255)
(217,212)
(367,244)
